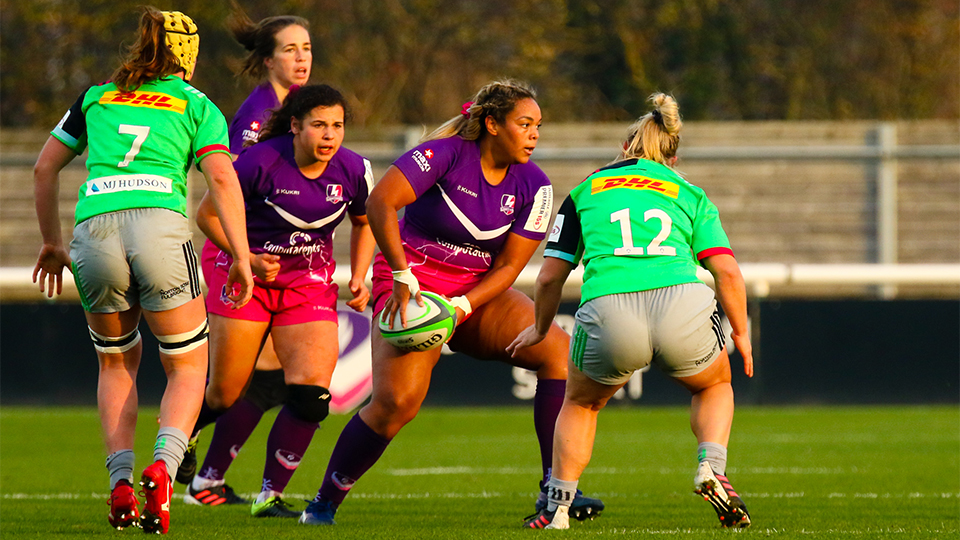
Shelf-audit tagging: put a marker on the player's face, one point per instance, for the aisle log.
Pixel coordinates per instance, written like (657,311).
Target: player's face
(292,57)
(520,131)
(319,135)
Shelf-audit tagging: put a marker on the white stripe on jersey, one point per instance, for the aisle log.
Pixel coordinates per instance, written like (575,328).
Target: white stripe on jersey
(299,223)
(469,225)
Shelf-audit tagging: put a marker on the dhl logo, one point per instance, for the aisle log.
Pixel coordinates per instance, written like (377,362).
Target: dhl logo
(635,182)
(152,100)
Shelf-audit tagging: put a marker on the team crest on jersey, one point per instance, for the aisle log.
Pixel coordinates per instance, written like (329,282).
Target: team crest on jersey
(150,100)
(507,204)
(663,187)
(335,193)
(255,126)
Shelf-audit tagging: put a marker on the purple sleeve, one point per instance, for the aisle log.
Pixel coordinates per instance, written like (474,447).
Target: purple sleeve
(364,176)
(250,173)
(533,217)
(426,164)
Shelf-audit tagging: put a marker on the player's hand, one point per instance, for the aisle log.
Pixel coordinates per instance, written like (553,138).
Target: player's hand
(742,343)
(50,264)
(265,266)
(240,275)
(361,295)
(527,338)
(397,303)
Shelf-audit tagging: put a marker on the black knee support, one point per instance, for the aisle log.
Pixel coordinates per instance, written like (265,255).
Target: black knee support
(308,403)
(267,389)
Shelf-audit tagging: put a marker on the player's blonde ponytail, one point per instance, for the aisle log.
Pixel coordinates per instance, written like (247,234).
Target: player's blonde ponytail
(655,135)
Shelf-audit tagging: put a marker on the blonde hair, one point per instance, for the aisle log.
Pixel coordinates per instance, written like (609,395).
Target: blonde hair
(496,99)
(655,135)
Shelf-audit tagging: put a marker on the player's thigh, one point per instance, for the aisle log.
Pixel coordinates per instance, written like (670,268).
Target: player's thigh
(494,325)
(586,392)
(400,379)
(234,345)
(268,361)
(307,351)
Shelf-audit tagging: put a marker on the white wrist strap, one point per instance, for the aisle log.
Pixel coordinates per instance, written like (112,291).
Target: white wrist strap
(463,303)
(406,277)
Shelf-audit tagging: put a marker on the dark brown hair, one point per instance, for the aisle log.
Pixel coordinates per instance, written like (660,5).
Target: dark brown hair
(149,58)
(259,38)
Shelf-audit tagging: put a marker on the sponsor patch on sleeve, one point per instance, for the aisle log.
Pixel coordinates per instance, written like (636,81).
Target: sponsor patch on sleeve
(557,229)
(539,218)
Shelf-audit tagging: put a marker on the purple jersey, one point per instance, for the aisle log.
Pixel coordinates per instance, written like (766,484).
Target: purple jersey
(293,216)
(460,218)
(251,116)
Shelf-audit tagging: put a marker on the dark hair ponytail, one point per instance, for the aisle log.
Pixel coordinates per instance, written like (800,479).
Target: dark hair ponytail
(258,38)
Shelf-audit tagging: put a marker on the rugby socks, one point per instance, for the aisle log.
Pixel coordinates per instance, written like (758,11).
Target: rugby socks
(714,454)
(286,444)
(357,449)
(120,467)
(560,493)
(170,446)
(231,432)
(207,417)
(546,407)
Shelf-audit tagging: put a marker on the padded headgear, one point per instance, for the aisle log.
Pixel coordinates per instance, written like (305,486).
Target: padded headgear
(182,39)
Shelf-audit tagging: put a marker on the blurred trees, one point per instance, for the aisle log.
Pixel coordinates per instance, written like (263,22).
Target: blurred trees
(416,61)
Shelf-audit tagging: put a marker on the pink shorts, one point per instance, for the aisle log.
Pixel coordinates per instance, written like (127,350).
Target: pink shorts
(284,307)
(434,276)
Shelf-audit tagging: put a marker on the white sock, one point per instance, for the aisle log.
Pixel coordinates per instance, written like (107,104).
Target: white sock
(199,483)
(265,496)
(560,493)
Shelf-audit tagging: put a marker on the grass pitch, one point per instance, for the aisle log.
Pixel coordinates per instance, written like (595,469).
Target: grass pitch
(804,472)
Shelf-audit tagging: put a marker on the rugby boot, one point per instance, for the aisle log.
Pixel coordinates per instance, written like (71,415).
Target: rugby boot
(123,507)
(319,513)
(716,489)
(157,489)
(213,496)
(558,519)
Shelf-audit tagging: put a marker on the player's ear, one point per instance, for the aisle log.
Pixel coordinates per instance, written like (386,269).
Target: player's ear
(294,125)
(491,124)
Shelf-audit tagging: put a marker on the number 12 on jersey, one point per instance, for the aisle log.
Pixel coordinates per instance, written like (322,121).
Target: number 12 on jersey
(626,233)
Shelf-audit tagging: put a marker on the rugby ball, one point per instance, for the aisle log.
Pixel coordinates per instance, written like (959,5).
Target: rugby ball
(428,327)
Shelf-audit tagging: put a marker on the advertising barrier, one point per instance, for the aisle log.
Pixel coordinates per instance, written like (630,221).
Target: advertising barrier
(824,352)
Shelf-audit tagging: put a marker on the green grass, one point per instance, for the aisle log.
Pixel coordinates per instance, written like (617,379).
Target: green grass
(804,472)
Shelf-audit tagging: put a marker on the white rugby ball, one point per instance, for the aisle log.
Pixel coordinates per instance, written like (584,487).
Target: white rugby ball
(428,327)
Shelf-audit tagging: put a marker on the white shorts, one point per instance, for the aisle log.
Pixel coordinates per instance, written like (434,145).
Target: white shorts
(677,328)
(142,256)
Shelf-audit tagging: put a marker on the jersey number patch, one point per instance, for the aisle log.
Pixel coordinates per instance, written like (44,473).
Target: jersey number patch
(139,135)
(654,247)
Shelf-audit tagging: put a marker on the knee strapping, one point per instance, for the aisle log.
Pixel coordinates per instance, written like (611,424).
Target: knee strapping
(183,343)
(308,403)
(115,345)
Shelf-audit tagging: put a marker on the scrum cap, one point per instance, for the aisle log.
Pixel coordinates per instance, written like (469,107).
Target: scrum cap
(183,40)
